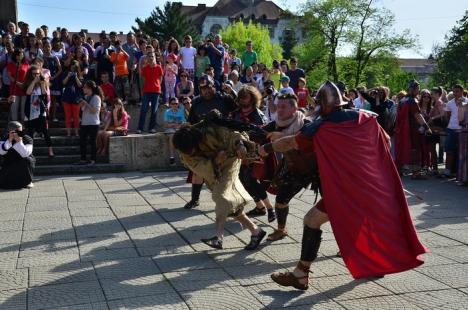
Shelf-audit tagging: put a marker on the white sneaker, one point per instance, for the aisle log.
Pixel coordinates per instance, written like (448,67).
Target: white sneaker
(153,130)
(30,185)
(138,131)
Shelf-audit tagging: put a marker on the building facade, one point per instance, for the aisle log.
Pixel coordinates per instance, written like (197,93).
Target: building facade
(211,20)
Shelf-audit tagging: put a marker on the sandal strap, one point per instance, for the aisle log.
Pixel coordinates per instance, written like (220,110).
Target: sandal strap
(303,268)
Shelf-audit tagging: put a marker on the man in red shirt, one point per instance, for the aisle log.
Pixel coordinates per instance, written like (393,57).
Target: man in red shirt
(108,89)
(152,74)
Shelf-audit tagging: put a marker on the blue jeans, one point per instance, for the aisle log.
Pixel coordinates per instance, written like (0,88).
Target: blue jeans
(148,98)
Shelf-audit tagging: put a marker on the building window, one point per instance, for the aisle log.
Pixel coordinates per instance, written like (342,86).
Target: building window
(216,28)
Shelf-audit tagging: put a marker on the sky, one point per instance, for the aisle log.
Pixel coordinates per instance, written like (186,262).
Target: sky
(429,20)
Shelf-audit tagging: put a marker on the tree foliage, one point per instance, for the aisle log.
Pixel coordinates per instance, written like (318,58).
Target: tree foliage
(452,58)
(238,33)
(335,26)
(374,33)
(167,22)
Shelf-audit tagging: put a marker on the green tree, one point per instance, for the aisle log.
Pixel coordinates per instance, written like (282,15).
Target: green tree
(374,33)
(238,33)
(452,58)
(167,22)
(331,20)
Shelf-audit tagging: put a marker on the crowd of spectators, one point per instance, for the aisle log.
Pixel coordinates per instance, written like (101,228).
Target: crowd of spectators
(94,82)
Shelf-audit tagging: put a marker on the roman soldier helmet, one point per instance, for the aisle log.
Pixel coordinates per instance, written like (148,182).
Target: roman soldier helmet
(330,95)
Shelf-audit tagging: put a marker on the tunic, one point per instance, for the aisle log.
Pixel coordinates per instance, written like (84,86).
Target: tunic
(223,180)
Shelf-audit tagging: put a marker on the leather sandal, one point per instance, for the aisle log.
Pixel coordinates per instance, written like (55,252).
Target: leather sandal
(289,279)
(277,235)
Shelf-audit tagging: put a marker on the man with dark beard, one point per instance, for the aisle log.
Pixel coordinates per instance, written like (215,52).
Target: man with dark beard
(208,100)
(249,99)
(370,219)
(297,170)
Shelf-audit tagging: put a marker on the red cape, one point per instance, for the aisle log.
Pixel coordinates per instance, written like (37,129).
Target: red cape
(364,198)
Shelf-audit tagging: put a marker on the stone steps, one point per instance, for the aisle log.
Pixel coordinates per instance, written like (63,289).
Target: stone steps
(74,169)
(58,150)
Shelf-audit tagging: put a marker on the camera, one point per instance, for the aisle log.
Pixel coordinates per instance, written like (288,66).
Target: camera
(269,90)
(42,78)
(20,133)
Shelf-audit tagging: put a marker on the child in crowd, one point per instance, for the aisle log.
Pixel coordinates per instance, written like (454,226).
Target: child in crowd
(116,124)
(285,88)
(174,117)
(302,93)
(170,76)
(108,89)
(201,62)
(72,94)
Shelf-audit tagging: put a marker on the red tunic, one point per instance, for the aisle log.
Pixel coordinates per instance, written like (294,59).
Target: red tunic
(407,137)
(363,195)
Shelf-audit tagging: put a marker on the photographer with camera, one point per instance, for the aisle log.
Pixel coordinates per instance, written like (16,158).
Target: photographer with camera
(119,59)
(269,100)
(37,104)
(18,163)
(71,93)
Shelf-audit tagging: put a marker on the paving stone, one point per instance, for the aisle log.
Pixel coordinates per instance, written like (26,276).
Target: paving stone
(454,275)
(13,299)
(11,226)
(106,254)
(115,241)
(142,220)
(47,201)
(164,250)
(160,301)
(379,303)
(86,306)
(136,286)
(68,273)
(162,201)
(444,299)
(222,298)
(99,230)
(126,268)
(434,259)
(7,237)
(13,279)
(47,215)
(127,211)
(79,212)
(48,235)
(158,240)
(456,253)
(184,262)
(283,253)
(200,279)
(125,199)
(52,223)
(11,216)
(8,264)
(459,235)
(87,204)
(409,281)
(89,195)
(40,248)
(50,259)
(232,258)
(273,296)
(433,240)
(107,220)
(252,274)
(146,229)
(343,287)
(67,294)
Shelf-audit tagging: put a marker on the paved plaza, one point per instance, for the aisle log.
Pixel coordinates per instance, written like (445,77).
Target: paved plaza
(123,241)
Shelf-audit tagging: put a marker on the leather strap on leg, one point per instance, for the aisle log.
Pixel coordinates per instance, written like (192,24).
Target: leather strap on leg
(311,239)
(282,215)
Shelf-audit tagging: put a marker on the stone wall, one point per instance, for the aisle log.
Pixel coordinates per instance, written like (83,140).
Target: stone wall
(145,151)
(142,152)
